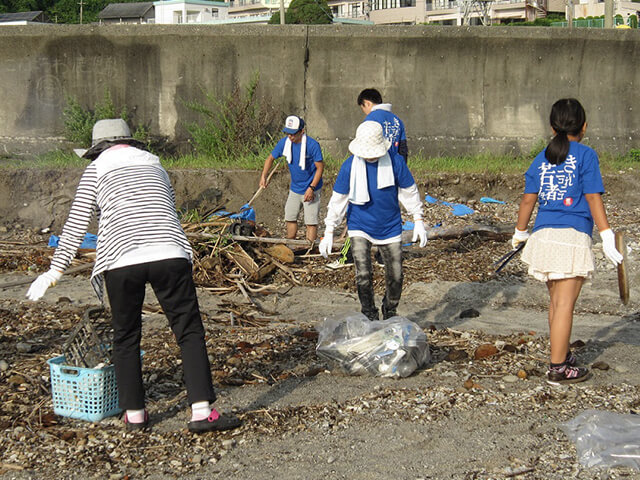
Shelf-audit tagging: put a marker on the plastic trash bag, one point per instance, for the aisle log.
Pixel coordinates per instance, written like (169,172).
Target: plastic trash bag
(395,347)
(605,439)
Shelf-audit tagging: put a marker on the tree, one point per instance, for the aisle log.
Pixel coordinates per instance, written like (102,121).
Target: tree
(305,12)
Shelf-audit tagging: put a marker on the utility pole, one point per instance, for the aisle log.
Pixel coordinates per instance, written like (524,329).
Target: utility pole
(281,12)
(570,13)
(608,13)
(81,3)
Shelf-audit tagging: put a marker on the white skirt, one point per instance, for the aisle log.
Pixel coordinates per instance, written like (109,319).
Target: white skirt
(557,253)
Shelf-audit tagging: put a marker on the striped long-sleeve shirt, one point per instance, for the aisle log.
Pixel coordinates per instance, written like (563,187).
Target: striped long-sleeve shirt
(131,195)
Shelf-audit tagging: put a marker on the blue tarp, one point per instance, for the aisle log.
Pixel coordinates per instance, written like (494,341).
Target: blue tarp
(457,209)
(89,242)
(490,200)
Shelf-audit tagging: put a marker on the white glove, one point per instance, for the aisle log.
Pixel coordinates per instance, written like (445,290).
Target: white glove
(419,233)
(520,236)
(609,246)
(40,284)
(326,244)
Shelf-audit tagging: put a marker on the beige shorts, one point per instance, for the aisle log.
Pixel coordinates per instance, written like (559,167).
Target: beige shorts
(558,253)
(311,209)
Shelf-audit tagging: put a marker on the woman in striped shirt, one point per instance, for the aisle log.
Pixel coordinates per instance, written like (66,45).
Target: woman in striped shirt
(140,240)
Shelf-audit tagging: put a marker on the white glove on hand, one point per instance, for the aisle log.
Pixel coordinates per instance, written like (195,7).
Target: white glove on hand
(40,284)
(609,246)
(520,236)
(326,244)
(419,233)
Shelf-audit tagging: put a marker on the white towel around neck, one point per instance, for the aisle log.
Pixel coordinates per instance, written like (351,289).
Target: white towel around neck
(358,189)
(303,151)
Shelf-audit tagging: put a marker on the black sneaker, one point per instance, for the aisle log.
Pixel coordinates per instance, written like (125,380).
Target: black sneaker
(571,359)
(136,427)
(215,423)
(567,374)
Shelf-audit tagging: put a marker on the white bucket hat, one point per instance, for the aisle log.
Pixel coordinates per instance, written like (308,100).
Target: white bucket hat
(107,133)
(369,141)
(110,130)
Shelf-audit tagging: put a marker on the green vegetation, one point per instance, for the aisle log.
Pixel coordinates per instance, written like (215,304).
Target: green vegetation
(538,22)
(60,11)
(235,128)
(305,12)
(419,164)
(79,121)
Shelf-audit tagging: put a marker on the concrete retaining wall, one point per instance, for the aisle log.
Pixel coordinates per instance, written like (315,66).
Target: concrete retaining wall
(457,89)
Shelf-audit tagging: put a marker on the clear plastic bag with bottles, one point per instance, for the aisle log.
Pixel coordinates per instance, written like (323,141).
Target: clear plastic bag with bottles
(395,347)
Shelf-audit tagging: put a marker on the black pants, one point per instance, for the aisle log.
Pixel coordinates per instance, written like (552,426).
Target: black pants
(173,285)
(392,256)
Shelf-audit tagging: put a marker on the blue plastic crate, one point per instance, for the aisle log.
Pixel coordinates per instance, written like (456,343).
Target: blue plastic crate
(84,393)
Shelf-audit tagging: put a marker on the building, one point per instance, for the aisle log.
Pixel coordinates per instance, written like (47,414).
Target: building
(141,12)
(190,11)
(23,18)
(455,12)
(595,8)
(213,12)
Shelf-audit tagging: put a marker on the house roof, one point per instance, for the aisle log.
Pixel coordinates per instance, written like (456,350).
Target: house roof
(126,10)
(21,16)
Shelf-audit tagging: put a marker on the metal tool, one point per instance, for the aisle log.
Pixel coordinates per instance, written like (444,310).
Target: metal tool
(506,258)
(623,278)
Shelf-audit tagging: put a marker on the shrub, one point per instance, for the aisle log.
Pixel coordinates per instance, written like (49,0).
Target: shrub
(236,125)
(79,121)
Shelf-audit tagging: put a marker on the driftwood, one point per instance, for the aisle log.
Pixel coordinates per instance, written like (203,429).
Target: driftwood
(500,232)
(25,281)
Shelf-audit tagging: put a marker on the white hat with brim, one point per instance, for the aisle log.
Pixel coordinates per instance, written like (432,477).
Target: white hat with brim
(106,133)
(369,141)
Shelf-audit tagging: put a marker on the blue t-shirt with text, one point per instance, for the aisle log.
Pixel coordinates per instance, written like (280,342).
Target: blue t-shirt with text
(301,179)
(561,189)
(392,128)
(380,217)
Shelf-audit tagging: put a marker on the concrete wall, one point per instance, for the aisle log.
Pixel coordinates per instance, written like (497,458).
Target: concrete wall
(457,89)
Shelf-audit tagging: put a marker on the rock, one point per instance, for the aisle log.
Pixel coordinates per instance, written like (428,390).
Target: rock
(577,344)
(4,366)
(485,350)
(17,380)
(228,443)
(282,253)
(456,355)
(24,347)
(621,369)
(522,374)
(469,313)
(510,378)
(600,366)
(65,300)
(197,459)
(234,361)
(468,384)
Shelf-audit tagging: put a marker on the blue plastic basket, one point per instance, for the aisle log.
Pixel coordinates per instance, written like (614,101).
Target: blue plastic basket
(84,393)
